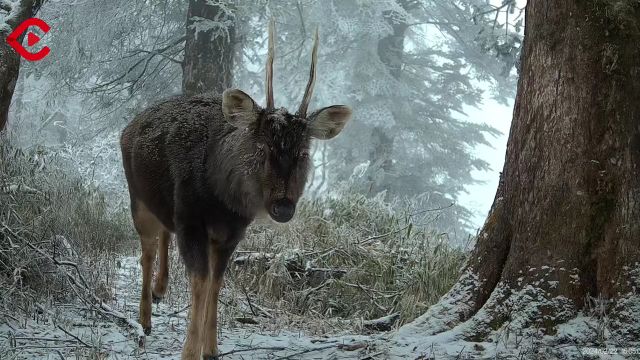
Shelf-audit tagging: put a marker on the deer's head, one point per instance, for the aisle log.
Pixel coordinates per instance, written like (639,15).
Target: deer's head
(283,138)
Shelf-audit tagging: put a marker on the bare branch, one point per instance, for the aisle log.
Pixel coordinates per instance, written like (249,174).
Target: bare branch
(138,51)
(150,55)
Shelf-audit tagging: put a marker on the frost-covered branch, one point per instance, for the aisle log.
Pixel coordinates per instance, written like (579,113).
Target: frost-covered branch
(110,85)
(203,25)
(155,52)
(6,6)
(17,11)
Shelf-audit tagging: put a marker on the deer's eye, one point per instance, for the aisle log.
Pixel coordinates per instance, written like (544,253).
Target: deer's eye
(304,154)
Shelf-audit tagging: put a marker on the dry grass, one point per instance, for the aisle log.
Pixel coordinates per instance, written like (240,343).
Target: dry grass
(348,257)
(46,214)
(343,259)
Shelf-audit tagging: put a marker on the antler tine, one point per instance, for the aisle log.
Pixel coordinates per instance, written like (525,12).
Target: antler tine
(269,66)
(302,111)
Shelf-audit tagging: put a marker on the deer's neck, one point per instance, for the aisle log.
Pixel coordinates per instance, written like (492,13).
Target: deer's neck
(232,173)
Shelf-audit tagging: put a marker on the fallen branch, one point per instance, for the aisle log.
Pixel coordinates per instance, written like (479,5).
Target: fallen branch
(353,346)
(274,348)
(107,310)
(293,264)
(376,237)
(74,336)
(14,188)
(253,256)
(384,323)
(172,313)
(306,351)
(81,284)
(247,320)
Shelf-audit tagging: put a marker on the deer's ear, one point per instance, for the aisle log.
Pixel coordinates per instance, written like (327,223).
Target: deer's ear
(238,108)
(327,122)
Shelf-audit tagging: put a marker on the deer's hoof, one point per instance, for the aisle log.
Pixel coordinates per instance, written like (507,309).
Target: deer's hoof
(156,298)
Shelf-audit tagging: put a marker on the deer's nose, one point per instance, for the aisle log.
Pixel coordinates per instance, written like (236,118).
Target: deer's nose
(282,210)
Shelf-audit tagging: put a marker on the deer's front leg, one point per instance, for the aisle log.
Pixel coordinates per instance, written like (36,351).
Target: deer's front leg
(218,259)
(193,245)
(210,330)
(193,345)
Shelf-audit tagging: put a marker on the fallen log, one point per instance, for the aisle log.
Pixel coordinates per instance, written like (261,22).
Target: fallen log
(384,323)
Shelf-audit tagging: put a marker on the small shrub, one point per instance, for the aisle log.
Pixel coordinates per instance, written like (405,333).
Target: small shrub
(46,214)
(349,256)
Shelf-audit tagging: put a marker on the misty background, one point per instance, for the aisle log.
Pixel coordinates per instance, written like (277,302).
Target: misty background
(391,207)
(431,84)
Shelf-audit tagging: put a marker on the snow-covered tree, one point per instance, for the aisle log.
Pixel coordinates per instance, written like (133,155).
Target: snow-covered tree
(12,13)
(563,229)
(408,68)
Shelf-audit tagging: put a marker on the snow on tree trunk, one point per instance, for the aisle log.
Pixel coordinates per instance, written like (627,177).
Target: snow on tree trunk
(565,223)
(209,47)
(9,67)
(16,12)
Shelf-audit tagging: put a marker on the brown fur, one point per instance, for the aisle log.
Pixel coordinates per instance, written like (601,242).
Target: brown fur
(203,167)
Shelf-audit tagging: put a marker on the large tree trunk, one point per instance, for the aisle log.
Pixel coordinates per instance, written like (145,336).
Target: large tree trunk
(9,70)
(9,58)
(565,223)
(209,47)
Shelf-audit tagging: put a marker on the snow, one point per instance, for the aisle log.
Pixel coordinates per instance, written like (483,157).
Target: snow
(15,9)
(201,24)
(75,330)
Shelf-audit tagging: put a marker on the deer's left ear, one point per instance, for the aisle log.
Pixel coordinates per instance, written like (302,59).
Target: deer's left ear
(327,122)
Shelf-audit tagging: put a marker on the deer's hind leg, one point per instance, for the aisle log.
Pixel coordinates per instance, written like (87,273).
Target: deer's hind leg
(162,278)
(149,228)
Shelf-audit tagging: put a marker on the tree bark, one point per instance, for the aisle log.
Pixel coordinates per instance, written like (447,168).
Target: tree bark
(9,58)
(9,71)
(209,47)
(565,222)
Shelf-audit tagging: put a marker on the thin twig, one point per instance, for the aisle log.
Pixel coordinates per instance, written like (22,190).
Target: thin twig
(375,237)
(235,351)
(306,351)
(74,336)
(173,313)
(82,284)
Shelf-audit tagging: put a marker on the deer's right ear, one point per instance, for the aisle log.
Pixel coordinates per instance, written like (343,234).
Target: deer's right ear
(238,108)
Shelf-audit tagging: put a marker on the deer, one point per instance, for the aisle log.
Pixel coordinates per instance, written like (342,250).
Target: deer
(203,168)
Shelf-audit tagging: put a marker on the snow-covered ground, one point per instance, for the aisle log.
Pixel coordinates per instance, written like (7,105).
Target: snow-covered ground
(77,331)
